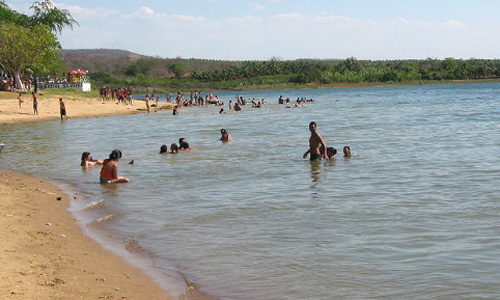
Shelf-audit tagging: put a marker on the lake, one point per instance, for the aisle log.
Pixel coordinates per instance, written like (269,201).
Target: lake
(415,215)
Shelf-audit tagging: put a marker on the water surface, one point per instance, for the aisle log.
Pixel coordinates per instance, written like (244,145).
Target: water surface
(414,216)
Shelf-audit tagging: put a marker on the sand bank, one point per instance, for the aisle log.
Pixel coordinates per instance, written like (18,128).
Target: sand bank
(45,255)
(76,107)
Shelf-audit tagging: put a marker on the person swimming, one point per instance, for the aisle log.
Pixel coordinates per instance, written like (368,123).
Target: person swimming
(163,149)
(347,151)
(109,171)
(226,137)
(88,161)
(184,145)
(174,148)
(330,152)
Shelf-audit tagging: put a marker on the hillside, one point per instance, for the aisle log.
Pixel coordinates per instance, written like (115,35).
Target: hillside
(118,62)
(110,61)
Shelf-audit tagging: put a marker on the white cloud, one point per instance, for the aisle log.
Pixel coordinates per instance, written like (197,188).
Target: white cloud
(257,6)
(289,36)
(144,12)
(80,13)
(292,17)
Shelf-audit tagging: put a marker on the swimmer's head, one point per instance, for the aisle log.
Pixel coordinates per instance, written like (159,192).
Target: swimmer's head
(174,147)
(115,154)
(223,131)
(312,126)
(330,151)
(163,149)
(347,151)
(181,140)
(185,145)
(85,155)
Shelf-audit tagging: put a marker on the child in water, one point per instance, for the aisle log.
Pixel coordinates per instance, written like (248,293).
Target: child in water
(109,171)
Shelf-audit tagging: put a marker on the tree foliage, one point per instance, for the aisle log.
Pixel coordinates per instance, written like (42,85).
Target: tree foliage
(353,71)
(141,66)
(20,47)
(47,13)
(178,69)
(30,41)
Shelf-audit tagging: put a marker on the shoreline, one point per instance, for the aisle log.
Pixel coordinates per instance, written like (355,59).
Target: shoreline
(76,106)
(45,254)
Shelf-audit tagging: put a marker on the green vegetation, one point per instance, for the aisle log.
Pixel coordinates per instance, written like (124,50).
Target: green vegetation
(275,74)
(32,47)
(70,92)
(29,43)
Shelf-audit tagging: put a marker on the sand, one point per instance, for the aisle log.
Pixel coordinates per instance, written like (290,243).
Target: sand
(76,107)
(44,254)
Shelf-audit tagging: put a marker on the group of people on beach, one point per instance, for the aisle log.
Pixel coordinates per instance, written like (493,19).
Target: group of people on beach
(123,95)
(62,105)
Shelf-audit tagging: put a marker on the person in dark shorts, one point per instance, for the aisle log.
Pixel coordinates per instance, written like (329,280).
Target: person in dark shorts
(35,103)
(62,108)
(315,144)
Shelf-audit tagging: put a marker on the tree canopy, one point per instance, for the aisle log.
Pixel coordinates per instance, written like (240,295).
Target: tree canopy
(21,47)
(47,13)
(30,41)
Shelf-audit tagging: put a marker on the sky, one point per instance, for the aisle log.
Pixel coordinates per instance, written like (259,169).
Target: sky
(285,29)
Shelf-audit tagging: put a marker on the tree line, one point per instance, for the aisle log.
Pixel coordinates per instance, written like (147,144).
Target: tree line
(354,71)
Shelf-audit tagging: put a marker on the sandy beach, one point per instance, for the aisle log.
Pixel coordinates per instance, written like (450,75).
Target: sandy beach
(44,254)
(76,107)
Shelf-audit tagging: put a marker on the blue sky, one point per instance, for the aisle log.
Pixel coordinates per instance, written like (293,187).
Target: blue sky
(287,29)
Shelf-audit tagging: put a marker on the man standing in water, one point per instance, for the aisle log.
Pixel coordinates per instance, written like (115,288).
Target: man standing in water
(316,142)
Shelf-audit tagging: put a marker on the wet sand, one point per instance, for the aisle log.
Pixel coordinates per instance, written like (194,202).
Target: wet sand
(44,254)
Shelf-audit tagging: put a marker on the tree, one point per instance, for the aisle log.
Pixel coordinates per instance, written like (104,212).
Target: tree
(178,69)
(47,13)
(22,47)
(142,66)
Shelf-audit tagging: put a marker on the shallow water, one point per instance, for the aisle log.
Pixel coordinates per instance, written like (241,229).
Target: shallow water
(416,215)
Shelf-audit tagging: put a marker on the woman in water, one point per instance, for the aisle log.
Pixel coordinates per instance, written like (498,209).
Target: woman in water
(109,171)
(347,151)
(225,136)
(87,160)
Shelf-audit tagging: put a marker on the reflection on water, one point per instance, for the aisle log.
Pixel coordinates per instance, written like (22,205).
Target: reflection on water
(415,216)
(315,171)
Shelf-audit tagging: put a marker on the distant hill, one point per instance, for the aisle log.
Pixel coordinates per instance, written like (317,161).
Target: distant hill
(117,62)
(110,61)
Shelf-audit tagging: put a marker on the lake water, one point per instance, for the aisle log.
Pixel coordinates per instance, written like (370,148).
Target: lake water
(415,216)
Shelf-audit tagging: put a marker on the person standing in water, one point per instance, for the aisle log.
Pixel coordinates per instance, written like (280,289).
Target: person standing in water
(315,144)
(109,171)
